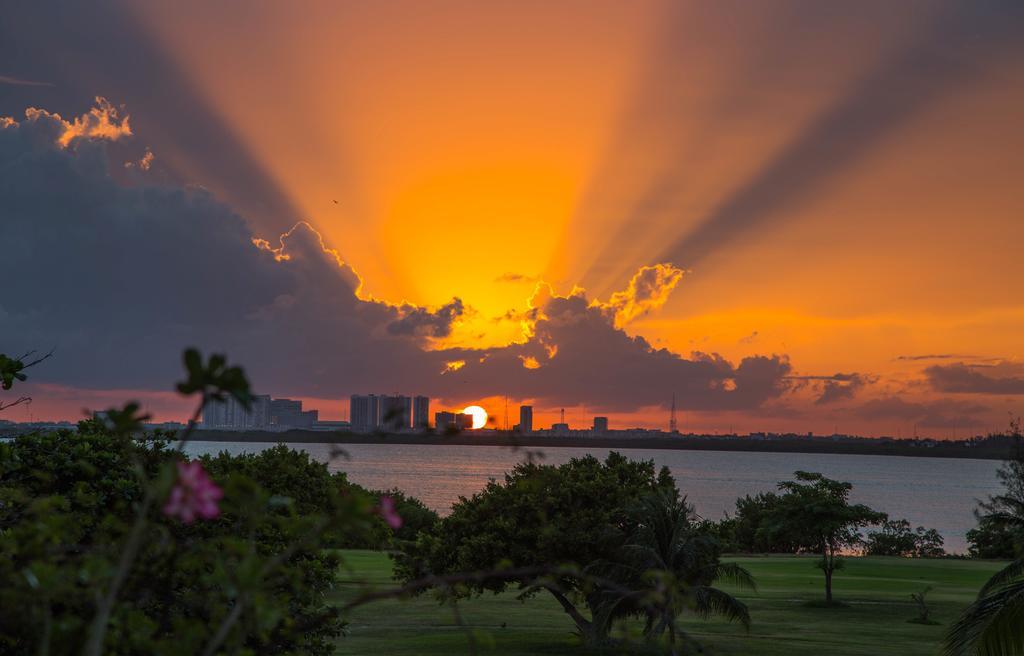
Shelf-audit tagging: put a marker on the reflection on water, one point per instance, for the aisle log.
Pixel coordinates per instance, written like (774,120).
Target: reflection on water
(936,493)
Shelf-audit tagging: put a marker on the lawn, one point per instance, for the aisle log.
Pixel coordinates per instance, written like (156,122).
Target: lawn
(877,591)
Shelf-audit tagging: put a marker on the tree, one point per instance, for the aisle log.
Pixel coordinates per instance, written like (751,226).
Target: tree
(669,552)
(994,624)
(1000,530)
(12,369)
(896,538)
(749,534)
(574,514)
(819,509)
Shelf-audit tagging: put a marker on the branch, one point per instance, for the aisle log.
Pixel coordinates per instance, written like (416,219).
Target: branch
(37,360)
(19,401)
(508,574)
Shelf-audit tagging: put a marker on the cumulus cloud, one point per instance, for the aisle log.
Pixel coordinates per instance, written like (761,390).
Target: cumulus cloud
(1000,378)
(121,277)
(648,290)
(834,388)
(840,387)
(575,354)
(104,121)
(421,322)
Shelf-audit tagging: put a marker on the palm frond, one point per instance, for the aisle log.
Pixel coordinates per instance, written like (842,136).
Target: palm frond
(737,575)
(1014,570)
(991,626)
(708,601)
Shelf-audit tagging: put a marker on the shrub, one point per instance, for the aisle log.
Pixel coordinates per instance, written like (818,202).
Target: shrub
(68,503)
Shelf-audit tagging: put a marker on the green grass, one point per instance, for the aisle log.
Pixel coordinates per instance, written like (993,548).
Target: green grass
(876,591)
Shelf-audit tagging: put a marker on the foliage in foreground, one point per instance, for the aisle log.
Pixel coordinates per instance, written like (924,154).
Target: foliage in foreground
(68,503)
(994,624)
(100,550)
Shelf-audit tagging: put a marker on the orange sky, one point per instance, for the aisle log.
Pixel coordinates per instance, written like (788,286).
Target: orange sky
(464,141)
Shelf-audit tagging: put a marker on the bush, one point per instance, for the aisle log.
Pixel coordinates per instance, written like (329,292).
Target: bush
(68,502)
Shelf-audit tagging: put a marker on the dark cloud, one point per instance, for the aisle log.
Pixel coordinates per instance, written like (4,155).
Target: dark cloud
(941,413)
(841,387)
(935,356)
(422,322)
(1001,378)
(837,387)
(516,277)
(99,48)
(121,277)
(577,356)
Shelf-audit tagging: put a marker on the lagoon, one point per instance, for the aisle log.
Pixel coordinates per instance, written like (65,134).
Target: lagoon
(937,493)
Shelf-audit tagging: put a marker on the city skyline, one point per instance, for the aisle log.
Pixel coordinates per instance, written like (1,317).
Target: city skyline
(748,209)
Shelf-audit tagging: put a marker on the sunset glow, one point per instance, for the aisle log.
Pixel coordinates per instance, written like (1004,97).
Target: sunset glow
(479,416)
(643,181)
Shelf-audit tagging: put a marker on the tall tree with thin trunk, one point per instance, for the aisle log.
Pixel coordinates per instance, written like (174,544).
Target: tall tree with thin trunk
(819,509)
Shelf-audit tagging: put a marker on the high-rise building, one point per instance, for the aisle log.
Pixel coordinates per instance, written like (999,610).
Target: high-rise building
(229,414)
(600,424)
(395,412)
(526,418)
(285,413)
(444,421)
(464,421)
(364,413)
(421,412)
(307,419)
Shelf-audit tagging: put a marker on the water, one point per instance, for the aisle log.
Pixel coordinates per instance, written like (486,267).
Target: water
(937,493)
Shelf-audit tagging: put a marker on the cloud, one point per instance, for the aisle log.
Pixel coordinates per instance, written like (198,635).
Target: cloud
(648,290)
(121,277)
(7,79)
(841,387)
(1002,378)
(749,339)
(84,48)
(511,277)
(422,322)
(101,122)
(940,413)
(575,354)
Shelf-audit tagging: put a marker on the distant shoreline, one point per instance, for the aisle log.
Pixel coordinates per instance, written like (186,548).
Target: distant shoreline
(682,443)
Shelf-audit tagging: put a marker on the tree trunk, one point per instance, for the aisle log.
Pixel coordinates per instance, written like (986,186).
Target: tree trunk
(591,633)
(827,567)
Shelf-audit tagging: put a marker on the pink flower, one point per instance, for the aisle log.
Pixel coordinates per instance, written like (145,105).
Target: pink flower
(388,512)
(194,495)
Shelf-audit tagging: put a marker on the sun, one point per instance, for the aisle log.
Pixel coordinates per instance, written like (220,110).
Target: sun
(479,415)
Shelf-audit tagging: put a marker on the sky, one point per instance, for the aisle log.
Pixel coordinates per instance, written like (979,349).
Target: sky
(791,215)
